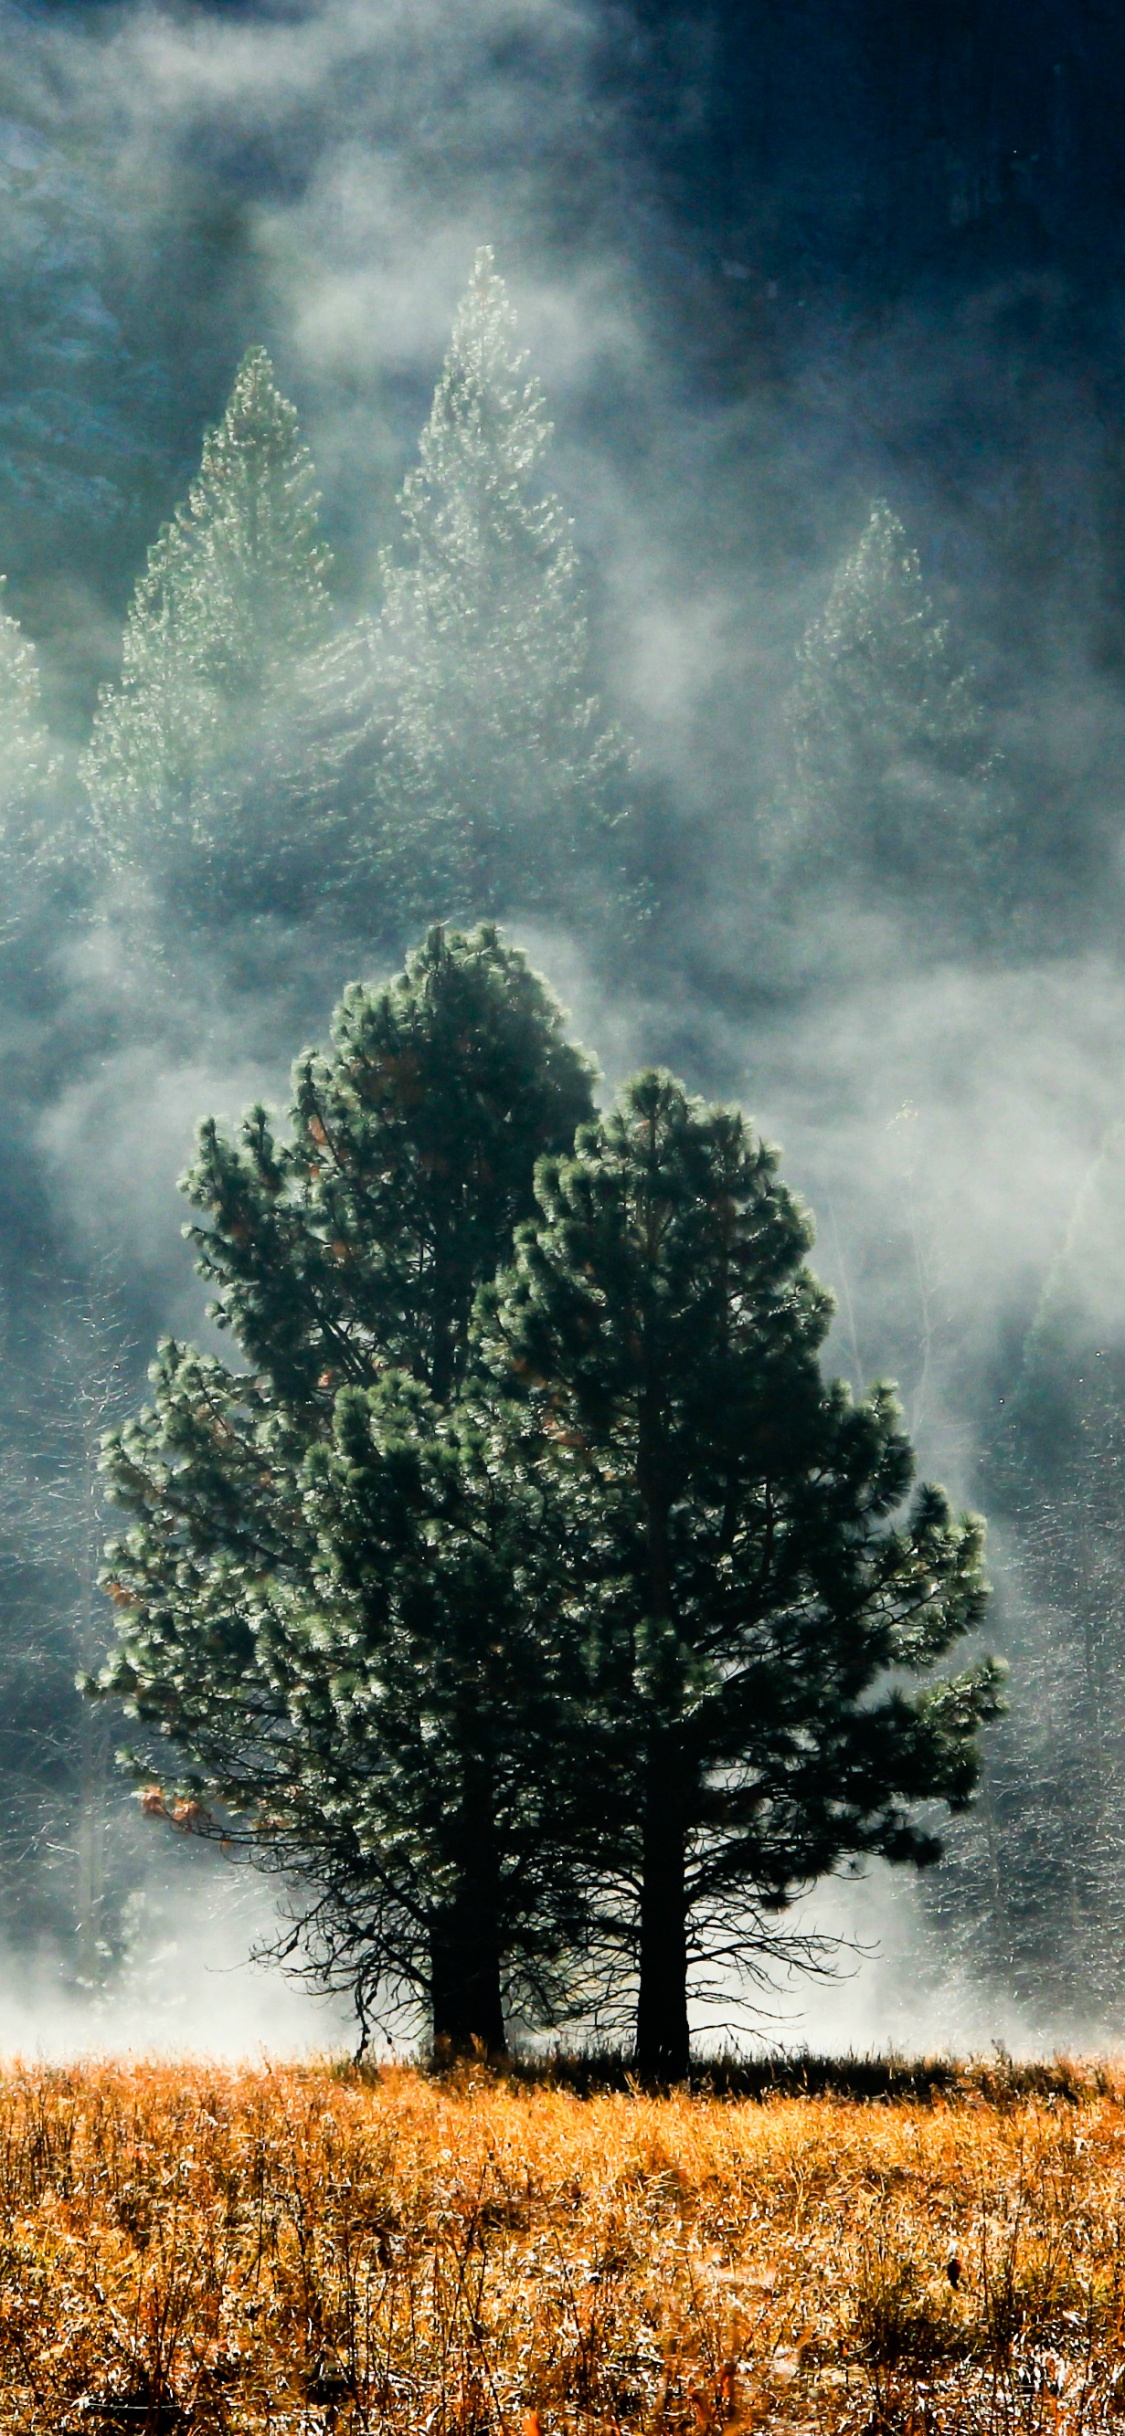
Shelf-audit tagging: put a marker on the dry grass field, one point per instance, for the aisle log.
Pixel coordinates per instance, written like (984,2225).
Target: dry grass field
(305,2249)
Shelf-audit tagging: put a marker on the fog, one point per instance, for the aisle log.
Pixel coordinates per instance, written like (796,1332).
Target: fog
(178,185)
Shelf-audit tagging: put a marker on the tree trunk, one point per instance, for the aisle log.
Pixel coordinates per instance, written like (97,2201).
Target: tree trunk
(663,2051)
(465,1995)
(468,2012)
(663,2046)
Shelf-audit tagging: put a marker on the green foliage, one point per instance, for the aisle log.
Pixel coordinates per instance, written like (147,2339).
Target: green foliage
(495,780)
(897,793)
(448,754)
(472,1627)
(363,1238)
(223,622)
(29,812)
(751,1596)
(458,1679)
(332,1599)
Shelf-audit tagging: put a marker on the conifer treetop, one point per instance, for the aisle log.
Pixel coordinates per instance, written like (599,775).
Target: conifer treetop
(233,594)
(254,503)
(878,639)
(24,747)
(484,409)
(499,757)
(467,506)
(22,735)
(898,789)
(414,1144)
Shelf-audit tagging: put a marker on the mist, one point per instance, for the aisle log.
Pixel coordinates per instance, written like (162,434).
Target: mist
(736,369)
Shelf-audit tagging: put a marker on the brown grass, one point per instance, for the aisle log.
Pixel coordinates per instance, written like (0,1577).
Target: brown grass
(193,2249)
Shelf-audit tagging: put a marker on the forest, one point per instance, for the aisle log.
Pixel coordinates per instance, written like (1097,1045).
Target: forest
(442,483)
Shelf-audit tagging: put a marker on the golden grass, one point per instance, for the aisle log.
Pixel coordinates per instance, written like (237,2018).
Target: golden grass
(305,2249)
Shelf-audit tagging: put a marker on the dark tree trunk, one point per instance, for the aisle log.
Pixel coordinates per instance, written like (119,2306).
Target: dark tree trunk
(468,2011)
(663,2046)
(662,2023)
(465,1993)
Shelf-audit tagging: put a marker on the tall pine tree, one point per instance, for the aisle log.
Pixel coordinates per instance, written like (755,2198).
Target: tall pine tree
(896,795)
(30,830)
(747,1574)
(223,624)
(470,762)
(334,1597)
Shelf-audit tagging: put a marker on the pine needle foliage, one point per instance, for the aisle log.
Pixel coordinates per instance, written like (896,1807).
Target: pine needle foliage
(334,1598)
(896,789)
(231,606)
(30,835)
(500,782)
(751,1584)
(546,1628)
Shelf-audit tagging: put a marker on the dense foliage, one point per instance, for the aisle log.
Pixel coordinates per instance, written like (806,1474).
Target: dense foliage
(467,1674)
(748,1581)
(224,619)
(896,793)
(498,781)
(333,1600)
(258,755)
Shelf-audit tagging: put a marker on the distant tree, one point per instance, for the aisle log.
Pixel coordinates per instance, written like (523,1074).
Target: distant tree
(896,792)
(333,1600)
(30,812)
(475,765)
(749,1592)
(223,623)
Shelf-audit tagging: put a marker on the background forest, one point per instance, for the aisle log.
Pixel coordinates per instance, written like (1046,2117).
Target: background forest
(753,651)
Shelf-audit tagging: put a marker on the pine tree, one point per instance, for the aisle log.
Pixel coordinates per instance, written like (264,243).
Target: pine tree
(477,765)
(223,624)
(334,1600)
(743,1576)
(29,814)
(896,795)
(457,1705)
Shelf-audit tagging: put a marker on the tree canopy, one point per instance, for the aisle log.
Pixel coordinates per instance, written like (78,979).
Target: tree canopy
(229,610)
(896,793)
(30,821)
(751,1581)
(456,738)
(331,1601)
(535,1630)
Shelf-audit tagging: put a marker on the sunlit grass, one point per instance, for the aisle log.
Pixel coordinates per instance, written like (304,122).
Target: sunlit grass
(304,2248)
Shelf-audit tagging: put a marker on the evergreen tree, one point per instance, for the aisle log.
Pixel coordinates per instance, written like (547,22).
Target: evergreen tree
(223,624)
(896,793)
(745,1583)
(475,764)
(29,813)
(332,1601)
